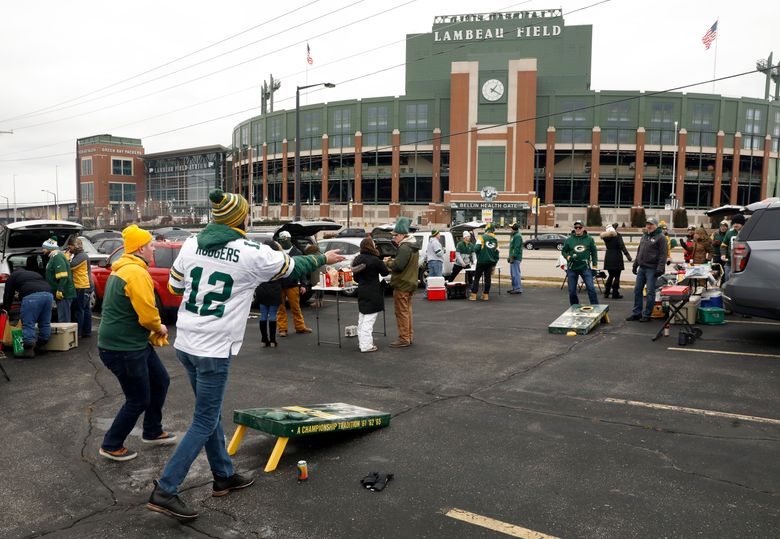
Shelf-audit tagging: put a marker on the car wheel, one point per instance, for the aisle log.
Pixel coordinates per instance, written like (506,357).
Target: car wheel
(529,246)
(350,292)
(94,301)
(559,246)
(422,277)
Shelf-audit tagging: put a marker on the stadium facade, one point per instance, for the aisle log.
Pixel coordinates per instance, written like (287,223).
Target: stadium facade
(497,109)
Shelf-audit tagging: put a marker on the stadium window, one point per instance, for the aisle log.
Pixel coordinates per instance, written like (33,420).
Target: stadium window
(88,192)
(86,166)
(618,113)
(776,132)
(702,115)
(571,114)
(121,167)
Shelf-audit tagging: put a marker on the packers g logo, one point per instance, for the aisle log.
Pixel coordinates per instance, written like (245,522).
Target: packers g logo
(491,244)
(579,249)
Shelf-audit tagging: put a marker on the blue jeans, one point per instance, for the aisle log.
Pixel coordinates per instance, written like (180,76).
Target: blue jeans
(645,277)
(36,307)
(435,268)
(514,271)
(144,382)
(208,377)
(83,312)
(268,312)
(587,278)
(726,272)
(63,310)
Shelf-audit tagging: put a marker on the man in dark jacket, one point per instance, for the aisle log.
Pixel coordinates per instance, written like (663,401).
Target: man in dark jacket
(648,266)
(403,280)
(367,268)
(37,300)
(581,256)
(486,249)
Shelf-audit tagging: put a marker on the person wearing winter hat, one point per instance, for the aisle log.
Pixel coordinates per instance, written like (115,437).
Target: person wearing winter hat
(368,269)
(216,272)
(292,288)
(37,299)
(737,222)
(403,280)
(130,323)
(581,255)
(486,249)
(60,277)
(434,255)
(82,280)
(463,252)
(515,257)
(613,260)
(648,266)
(717,241)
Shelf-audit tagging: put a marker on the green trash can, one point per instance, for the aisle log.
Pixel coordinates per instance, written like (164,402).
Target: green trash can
(18,342)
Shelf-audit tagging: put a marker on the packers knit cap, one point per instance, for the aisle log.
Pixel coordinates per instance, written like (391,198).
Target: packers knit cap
(434,232)
(50,244)
(135,238)
(402,225)
(489,227)
(228,208)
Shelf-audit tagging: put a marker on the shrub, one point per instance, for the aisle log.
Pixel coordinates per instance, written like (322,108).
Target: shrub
(638,217)
(680,218)
(593,216)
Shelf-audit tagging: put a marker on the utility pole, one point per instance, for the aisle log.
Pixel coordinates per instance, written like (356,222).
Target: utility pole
(14,183)
(56,191)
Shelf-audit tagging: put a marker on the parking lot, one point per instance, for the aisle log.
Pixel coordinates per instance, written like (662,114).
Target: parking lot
(499,428)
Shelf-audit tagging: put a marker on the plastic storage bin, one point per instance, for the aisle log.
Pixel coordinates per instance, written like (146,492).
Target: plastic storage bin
(711,316)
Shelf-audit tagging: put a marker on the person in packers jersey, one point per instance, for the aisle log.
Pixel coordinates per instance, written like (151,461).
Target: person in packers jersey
(217,272)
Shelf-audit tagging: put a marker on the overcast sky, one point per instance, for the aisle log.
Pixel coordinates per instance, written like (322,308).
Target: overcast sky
(55,52)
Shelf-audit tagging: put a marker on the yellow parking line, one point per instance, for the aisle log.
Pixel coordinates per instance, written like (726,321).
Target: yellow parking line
(696,411)
(496,525)
(725,352)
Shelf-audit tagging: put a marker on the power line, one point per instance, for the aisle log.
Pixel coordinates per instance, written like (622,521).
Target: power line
(41,111)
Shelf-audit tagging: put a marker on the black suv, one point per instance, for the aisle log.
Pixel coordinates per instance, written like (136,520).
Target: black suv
(753,287)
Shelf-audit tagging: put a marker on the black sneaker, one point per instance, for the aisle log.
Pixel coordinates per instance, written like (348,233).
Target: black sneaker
(644,319)
(223,485)
(633,318)
(170,505)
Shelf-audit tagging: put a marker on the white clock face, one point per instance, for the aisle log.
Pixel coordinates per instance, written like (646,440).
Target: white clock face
(493,90)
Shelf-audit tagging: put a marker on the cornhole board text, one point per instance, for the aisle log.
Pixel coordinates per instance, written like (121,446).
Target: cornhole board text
(580,318)
(320,419)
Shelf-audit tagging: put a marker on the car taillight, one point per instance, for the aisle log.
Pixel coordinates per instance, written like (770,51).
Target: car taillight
(452,256)
(739,256)
(4,277)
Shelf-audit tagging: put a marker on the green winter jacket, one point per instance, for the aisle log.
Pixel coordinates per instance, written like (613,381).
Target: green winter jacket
(577,250)
(464,251)
(59,276)
(487,249)
(516,247)
(405,265)
(725,246)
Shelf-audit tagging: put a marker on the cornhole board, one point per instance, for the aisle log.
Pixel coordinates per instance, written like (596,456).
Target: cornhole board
(580,318)
(296,421)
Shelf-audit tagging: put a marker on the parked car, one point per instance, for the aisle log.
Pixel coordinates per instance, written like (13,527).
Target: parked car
(350,248)
(24,238)
(351,233)
(164,256)
(100,233)
(448,244)
(108,245)
(171,233)
(753,288)
(554,241)
(95,257)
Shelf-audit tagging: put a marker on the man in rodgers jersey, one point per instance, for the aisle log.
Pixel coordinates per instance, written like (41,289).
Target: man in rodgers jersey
(217,272)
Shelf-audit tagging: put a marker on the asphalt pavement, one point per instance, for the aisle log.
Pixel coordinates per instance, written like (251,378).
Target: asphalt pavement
(494,421)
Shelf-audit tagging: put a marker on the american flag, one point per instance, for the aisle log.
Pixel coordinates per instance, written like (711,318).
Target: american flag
(710,36)
(310,60)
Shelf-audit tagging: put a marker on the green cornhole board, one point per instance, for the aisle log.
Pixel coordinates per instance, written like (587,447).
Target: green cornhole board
(580,319)
(294,421)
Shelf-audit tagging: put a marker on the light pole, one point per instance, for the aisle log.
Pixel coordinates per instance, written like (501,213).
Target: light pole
(14,183)
(536,191)
(56,213)
(56,189)
(7,208)
(298,142)
(673,195)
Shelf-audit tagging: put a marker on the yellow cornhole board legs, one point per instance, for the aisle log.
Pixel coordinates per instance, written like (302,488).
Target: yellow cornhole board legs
(276,454)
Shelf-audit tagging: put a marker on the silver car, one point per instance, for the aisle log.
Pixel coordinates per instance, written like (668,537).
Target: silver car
(753,287)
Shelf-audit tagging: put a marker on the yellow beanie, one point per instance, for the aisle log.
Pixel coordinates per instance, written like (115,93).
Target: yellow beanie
(228,208)
(135,238)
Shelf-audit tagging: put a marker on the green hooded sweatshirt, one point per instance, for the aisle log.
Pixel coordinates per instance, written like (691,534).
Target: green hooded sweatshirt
(59,275)
(487,249)
(578,249)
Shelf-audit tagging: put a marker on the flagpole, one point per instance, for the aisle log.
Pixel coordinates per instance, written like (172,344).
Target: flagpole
(308,53)
(715,61)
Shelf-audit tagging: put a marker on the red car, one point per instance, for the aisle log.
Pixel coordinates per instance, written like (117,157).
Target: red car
(164,255)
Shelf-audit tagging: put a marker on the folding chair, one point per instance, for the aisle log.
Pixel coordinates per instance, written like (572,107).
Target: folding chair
(598,279)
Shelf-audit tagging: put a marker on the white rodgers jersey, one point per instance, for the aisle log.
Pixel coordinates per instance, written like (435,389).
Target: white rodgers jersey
(218,288)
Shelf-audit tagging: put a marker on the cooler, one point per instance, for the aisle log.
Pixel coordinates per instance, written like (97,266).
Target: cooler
(456,290)
(711,316)
(437,294)
(64,336)
(689,311)
(435,282)
(712,298)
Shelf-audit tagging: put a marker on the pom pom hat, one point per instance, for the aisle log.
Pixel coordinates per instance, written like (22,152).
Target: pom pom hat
(228,208)
(135,238)
(402,225)
(50,244)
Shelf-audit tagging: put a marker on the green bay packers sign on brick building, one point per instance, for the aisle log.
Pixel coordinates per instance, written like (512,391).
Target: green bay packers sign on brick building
(504,100)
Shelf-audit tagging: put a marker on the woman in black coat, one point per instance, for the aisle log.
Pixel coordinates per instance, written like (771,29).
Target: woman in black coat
(613,260)
(366,270)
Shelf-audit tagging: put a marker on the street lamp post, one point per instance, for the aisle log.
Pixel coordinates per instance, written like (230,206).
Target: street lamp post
(7,208)
(536,191)
(56,190)
(298,142)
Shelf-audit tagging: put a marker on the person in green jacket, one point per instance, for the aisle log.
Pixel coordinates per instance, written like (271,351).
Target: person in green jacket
(515,257)
(581,256)
(403,280)
(717,241)
(463,258)
(487,258)
(60,278)
(737,222)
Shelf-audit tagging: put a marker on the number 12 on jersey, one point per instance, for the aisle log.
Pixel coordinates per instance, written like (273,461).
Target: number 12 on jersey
(214,279)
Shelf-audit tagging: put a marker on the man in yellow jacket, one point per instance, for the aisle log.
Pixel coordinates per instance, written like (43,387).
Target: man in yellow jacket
(130,322)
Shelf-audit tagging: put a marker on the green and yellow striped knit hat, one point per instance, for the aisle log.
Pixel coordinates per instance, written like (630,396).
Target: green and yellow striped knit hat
(228,208)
